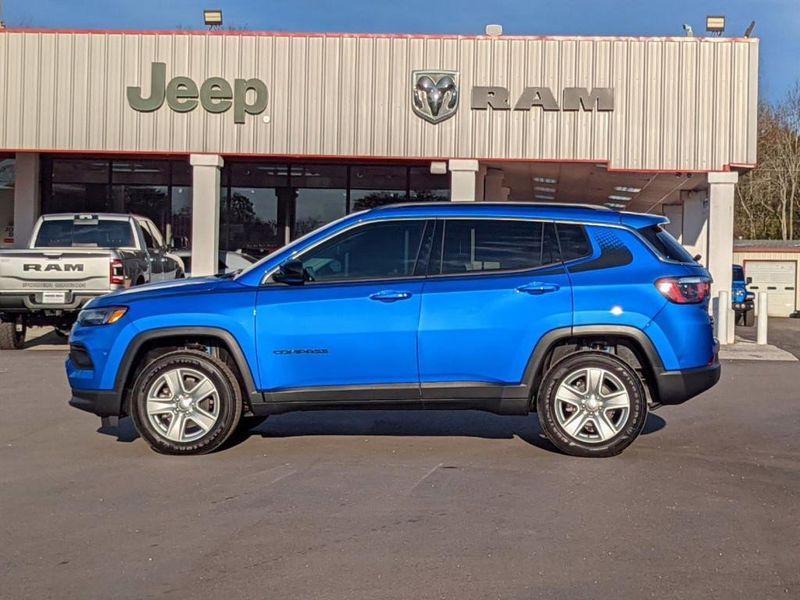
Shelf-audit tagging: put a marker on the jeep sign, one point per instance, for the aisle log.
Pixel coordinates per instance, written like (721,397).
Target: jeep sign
(215,95)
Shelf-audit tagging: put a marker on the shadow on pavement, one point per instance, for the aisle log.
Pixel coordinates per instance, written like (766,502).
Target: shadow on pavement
(44,336)
(432,423)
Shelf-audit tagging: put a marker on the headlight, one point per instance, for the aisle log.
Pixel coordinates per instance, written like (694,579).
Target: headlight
(101,316)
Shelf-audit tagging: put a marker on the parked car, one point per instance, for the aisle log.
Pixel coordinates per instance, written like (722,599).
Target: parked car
(229,262)
(742,300)
(72,258)
(589,316)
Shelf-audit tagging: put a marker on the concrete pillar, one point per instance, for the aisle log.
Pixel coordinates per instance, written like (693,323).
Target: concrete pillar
(463,180)
(27,197)
(674,212)
(721,191)
(480,183)
(694,224)
(205,213)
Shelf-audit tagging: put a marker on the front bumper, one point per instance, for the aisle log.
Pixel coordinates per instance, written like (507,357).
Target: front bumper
(743,306)
(103,403)
(676,387)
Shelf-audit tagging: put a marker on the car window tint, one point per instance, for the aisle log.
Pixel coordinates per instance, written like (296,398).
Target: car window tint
(574,242)
(478,245)
(665,245)
(84,233)
(374,251)
(148,239)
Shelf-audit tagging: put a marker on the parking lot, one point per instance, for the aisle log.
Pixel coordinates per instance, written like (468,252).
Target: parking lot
(403,504)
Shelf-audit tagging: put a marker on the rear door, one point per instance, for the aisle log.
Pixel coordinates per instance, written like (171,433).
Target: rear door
(494,288)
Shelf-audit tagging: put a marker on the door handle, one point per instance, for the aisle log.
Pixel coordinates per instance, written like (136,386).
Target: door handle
(537,288)
(390,296)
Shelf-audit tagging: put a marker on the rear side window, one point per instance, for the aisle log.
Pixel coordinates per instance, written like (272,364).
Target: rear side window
(483,245)
(574,242)
(665,245)
(88,233)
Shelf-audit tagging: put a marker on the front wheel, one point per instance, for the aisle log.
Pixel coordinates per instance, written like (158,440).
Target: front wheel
(186,402)
(592,404)
(749,318)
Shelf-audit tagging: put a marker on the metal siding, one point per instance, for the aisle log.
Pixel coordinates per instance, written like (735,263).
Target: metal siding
(680,103)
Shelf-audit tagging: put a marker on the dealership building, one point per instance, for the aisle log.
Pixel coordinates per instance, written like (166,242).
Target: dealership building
(247,140)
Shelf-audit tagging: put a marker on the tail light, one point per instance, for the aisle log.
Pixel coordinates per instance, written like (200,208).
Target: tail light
(684,290)
(116,275)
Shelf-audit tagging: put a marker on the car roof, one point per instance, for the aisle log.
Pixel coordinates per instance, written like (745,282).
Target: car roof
(582,213)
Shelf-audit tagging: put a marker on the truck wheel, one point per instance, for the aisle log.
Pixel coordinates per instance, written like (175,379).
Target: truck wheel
(749,318)
(10,338)
(186,402)
(592,404)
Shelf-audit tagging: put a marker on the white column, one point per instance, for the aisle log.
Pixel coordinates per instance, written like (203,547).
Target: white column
(27,199)
(694,224)
(205,213)
(721,190)
(480,183)
(674,212)
(463,179)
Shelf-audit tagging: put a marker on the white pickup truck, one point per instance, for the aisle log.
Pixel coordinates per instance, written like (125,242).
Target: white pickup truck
(72,258)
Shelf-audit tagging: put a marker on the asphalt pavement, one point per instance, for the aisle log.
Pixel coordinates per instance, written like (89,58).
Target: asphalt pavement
(372,505)
(784,333)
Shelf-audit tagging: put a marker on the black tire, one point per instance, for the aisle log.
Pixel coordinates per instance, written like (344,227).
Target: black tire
(749,318)
(227,393)
(10,338)
(630,424)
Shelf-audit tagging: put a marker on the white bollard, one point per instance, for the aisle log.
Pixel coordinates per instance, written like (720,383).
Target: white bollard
(723,308)
(761,330)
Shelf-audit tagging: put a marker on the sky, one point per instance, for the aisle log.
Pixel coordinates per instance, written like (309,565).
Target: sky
(777,21)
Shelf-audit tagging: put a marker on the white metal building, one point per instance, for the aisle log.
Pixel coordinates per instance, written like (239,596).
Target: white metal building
(773,267)
(266,135)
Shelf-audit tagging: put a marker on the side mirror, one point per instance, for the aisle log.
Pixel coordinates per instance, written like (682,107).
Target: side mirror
(697,257)
(749,280)
(291,272)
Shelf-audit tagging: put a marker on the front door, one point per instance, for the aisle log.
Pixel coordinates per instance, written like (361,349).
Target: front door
(353,323)
(494,288)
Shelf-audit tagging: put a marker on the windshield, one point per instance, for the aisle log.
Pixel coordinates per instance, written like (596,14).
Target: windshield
(295,243)
(665,245)
(738,273)
(85,233)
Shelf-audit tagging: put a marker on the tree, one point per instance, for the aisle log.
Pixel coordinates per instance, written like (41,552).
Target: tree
(768,198)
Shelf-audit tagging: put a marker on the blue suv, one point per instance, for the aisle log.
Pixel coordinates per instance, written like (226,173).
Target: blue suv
(587,316)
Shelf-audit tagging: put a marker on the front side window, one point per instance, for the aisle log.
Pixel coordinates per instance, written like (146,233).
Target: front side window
(473,246)
(384,250)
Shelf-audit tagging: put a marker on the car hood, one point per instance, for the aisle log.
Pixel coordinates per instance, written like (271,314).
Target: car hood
(181,287)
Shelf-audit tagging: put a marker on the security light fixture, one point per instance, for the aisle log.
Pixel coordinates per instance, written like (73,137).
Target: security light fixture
(688,29)
(494,30)
(715,25)
(615,205)
(544,197)
(630,190)
(548,180)
(542,188)
(618,198)
(213,18)
(749,31)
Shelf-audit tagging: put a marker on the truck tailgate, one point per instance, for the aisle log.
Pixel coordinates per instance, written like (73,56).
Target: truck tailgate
(57,270)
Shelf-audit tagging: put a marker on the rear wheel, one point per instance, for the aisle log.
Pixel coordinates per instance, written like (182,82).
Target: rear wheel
(186,402)
(12,335)
(592,404)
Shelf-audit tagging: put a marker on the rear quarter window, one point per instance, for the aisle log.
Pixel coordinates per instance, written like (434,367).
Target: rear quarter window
(666,246)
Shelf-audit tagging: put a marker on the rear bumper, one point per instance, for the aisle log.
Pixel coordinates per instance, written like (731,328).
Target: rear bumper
(101,403)
(676,387)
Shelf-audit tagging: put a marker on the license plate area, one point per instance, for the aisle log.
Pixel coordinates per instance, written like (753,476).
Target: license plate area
(54,297)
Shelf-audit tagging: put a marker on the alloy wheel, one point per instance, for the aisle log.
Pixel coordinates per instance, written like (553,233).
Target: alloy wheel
(183,405)
(592,405)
